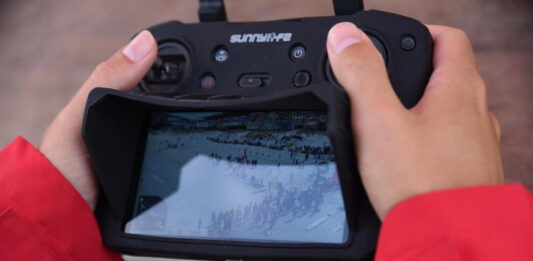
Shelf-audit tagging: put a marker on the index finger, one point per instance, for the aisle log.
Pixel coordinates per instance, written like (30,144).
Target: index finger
(455,75)
(452,50)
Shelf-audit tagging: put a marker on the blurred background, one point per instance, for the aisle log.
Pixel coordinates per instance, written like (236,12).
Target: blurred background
(48,48)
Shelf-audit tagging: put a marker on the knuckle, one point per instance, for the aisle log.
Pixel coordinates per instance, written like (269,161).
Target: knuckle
(480,89)
(496,124)
(495,120)
(102,71)
(459,34)
(477,83)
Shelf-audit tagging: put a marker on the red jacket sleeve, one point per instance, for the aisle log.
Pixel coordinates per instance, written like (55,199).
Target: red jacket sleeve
(478,223)
(42,217)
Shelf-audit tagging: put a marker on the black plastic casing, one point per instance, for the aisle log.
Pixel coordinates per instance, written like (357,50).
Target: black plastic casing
(408,70)
(115,123)
(115,132)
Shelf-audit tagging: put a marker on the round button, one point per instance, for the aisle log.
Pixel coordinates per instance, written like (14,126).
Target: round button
(408,43)
(220,54)
(298,52)
(301,79)
(207,82)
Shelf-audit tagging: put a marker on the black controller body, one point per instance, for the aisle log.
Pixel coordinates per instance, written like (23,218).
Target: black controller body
(257,66)
(263,49)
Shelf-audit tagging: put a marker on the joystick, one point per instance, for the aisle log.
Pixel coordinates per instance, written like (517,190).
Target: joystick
(169,68)
(379,46)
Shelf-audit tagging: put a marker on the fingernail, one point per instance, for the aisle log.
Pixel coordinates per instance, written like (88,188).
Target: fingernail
(139,47)
(343,35)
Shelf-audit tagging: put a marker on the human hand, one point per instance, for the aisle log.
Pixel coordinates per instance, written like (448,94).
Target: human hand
(448,140)
(62,143)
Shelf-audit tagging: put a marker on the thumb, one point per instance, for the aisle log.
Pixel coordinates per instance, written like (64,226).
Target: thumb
(122,72)
(124,69)
(62,142)
(359,68)
(127,66)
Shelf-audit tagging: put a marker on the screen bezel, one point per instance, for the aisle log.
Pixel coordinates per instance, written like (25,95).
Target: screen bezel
(134,186)
(112,129)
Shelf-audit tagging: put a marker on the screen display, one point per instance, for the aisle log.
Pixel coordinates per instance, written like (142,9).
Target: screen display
(239,176)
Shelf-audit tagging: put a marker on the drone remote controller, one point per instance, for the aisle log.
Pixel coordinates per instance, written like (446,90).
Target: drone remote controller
(237,143)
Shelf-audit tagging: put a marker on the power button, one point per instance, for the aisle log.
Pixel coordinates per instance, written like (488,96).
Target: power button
(298,52)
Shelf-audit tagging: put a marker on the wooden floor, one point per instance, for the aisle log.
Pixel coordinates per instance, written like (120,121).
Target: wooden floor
(48,48)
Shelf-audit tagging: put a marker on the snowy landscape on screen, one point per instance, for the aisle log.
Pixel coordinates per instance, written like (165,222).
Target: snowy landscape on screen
(214,179)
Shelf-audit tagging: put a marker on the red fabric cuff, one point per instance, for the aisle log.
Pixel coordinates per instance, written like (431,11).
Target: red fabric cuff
(42,217)
(477,223)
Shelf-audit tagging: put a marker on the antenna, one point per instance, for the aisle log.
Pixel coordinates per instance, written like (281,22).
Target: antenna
(347,7)
(214,10)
